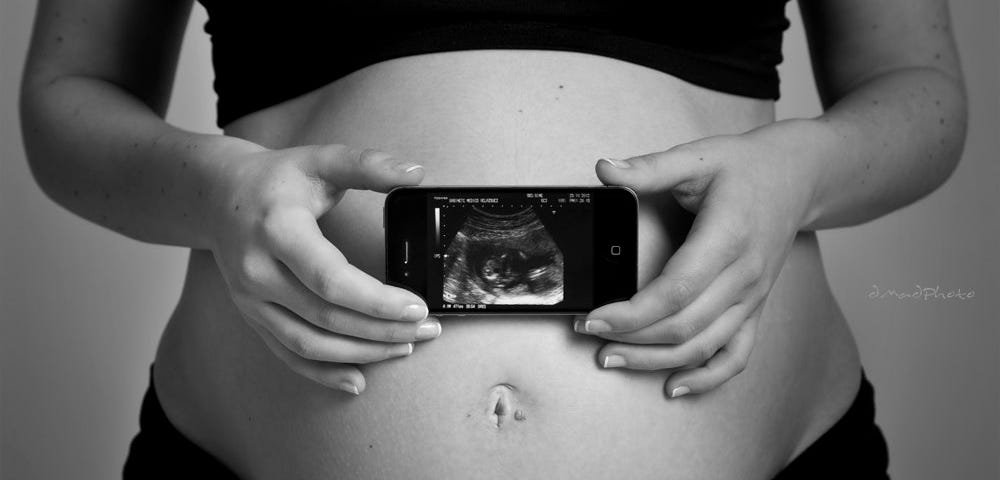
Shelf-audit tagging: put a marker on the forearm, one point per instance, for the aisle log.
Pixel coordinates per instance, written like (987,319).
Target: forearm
(886,143)
(104,155)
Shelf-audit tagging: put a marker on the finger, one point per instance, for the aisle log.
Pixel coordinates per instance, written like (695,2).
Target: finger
(311,343)
(347,168)
(730,361)
(727,289)
(334,375)
(290,293)
(710,247)
(297,241)
(688,354)
(683,166)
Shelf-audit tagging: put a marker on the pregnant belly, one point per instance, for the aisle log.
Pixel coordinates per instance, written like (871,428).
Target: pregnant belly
(505,396)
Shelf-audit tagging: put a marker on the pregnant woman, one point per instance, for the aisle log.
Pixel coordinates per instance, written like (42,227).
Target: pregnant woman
(287,357)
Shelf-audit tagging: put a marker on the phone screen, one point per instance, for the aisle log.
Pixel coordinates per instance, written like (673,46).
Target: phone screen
(513,250)
(526,248)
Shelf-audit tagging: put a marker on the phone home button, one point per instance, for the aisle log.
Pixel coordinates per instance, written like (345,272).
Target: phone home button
(616,250)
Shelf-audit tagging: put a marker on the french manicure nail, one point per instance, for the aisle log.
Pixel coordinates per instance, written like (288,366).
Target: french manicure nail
(349,388)
(428,330)
(617,163)
(679,391)
(596,326)
(614,361)
(403,350)
(415,313)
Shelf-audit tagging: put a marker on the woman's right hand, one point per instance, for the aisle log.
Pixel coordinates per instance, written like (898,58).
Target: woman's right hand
(315,311)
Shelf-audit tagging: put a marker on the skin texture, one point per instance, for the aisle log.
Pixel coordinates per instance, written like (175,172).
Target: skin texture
(91,110)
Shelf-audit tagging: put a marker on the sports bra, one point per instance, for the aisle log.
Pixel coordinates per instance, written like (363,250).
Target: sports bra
(268,52)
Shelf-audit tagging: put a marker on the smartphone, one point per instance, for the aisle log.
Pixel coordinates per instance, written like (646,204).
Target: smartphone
(512,250)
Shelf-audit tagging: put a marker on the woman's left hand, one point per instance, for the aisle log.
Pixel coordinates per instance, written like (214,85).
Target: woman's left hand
(698,318)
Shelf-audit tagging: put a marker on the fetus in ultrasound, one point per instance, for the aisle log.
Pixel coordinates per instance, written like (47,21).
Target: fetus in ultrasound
(503,259)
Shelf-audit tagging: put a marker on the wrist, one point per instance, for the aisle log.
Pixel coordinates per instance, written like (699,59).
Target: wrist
(218,160)
(806,146)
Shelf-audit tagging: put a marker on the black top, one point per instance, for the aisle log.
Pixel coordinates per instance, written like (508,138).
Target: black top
(267,52)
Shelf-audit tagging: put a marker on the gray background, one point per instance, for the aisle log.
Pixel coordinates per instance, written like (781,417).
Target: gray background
(81,308)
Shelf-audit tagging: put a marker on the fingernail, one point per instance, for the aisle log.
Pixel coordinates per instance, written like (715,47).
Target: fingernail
(591,326)
(349,388)
(403,350)
(679,391)
(614,361)
(407,167)
(428,330)
(415,313)
(617,163)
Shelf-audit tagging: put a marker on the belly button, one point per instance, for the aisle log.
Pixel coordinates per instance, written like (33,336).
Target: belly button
(502,405)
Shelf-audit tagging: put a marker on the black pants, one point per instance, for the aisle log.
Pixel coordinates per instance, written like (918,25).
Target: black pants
(853,448)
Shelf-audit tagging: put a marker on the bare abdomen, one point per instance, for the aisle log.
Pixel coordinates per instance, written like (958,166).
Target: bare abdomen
(509,396)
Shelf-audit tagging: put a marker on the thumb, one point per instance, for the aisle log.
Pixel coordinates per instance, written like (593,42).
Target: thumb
(653,172)
(349,168)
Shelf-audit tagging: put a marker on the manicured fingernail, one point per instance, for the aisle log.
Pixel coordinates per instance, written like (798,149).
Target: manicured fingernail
(614,361)
(617,163)
(431,329)
(591,326)
(403,350)
(349,388)
(679,391)
(415,313)
(408,167)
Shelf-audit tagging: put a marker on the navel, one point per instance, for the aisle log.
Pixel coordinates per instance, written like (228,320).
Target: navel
(502,406)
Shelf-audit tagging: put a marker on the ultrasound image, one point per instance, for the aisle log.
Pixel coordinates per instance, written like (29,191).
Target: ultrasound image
(503,259)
